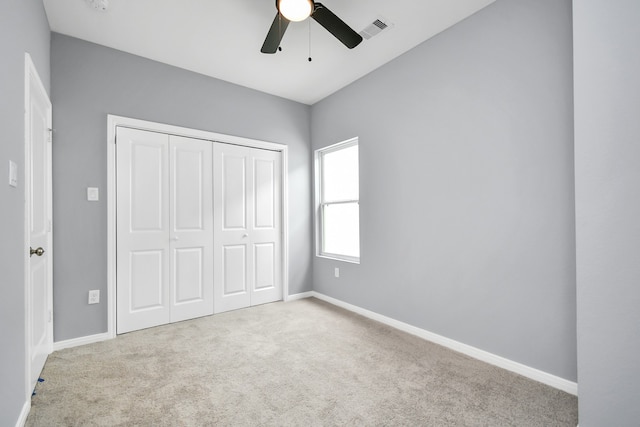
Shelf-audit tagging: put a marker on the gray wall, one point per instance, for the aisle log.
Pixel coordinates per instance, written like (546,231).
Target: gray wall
(607,145)
(23,28)
(467,195)
(89,82)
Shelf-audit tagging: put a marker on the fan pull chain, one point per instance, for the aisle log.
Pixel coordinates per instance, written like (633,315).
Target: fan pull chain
(309,39)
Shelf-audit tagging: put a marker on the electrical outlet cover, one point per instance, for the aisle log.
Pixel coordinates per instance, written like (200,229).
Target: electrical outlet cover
(94,297)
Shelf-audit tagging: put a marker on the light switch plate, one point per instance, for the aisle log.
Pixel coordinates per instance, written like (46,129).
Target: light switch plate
(93,194)
(13,173)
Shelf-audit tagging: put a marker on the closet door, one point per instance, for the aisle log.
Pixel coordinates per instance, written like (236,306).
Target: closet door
(191,225)
(143,293)
(247,227)
(164,229)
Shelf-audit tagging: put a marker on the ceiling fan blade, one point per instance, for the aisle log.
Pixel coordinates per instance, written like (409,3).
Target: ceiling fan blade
(274,36)
(336,26)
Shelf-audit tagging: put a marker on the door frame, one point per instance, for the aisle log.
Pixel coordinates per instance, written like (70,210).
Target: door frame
(33,82)
(113,122)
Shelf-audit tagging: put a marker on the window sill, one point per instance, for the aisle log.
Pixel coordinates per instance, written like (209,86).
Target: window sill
(350,260)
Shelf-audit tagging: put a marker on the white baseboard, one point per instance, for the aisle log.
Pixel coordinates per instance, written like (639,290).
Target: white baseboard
(26,408)
(501,362)
(75,342)
(22,419)
(301,295)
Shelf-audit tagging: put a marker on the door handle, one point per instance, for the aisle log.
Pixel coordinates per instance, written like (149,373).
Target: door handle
(245,235)
(38,252)
(175,238)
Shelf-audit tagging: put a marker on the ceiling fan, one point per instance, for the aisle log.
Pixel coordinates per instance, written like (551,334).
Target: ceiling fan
(299,10)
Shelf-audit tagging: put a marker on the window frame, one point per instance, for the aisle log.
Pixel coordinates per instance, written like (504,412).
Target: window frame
(321,204)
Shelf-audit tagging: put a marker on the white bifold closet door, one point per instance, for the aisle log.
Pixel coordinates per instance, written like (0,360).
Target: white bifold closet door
(247,227)
(164,229)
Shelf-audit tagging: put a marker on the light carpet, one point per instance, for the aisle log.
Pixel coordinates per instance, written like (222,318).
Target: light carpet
(303,363)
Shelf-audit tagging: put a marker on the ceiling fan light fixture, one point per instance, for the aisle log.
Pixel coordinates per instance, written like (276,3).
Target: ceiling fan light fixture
(295,10)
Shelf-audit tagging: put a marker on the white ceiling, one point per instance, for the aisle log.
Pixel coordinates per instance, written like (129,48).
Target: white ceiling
(222,39)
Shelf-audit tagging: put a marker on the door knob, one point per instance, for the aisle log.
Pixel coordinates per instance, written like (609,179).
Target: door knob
(38,252)
(245,235)
(174,238)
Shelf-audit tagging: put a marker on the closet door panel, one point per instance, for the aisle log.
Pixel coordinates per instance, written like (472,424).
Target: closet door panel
(143,292)
(146,271)
(234,197)
(265,202)
(188,275)
(191,219)
(265,266)
(234,270)
(266,230)
(231,234)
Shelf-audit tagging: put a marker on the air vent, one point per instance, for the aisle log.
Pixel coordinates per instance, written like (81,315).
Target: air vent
(375,28)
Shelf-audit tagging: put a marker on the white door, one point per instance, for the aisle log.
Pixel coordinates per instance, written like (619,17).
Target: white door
(247,227)
(38,219)
(142,291)
(164,229)
(191,228)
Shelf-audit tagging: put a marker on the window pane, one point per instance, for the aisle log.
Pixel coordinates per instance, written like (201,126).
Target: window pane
(342,229)
(340,174)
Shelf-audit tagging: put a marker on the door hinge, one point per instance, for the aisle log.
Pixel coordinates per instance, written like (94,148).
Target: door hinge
(50,139)
(50,226)
(50,316)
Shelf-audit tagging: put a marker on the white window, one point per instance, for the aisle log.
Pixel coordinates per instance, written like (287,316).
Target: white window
(337,195)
